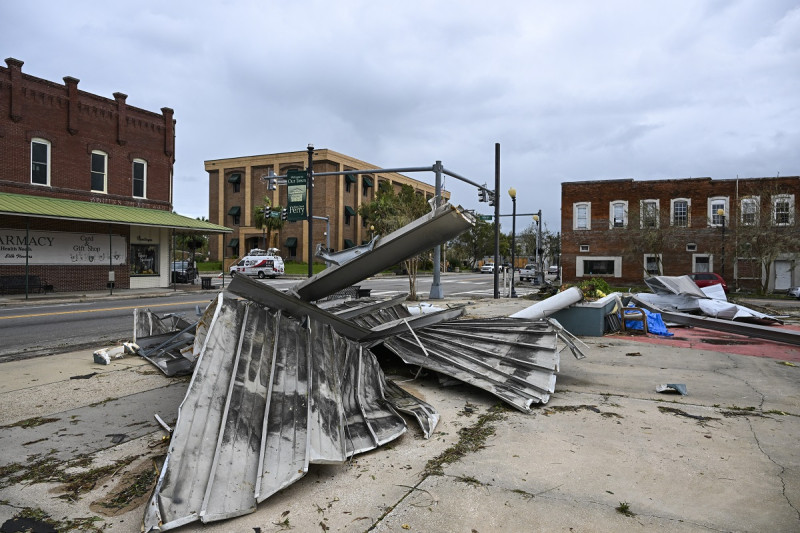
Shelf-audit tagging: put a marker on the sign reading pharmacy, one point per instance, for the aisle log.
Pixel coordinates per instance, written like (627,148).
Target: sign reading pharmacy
(60,248)
(296,187)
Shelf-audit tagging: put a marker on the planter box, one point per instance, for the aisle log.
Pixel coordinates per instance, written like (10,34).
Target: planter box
(587,318)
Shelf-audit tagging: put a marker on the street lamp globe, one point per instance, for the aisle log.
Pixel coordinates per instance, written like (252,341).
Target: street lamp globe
(512,192)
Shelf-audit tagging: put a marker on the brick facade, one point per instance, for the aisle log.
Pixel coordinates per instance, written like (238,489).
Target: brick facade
(617,229)
(75,123)
(332,196)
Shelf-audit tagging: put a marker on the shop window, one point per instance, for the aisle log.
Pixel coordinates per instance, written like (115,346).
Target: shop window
(144,259)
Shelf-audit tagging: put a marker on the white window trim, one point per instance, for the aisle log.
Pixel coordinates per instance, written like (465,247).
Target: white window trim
(105,171)
(49,145)
(642,214)
(584,248)
(777,198)
(712,201)
(611,205)
(710,261)
(672,203)
(144,188)
(588,206)
(581,258)
(756,200)
(691,246)
(660,262)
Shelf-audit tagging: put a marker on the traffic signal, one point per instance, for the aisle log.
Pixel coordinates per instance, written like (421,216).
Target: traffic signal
(272,184)
(284,214)
(491,198)
(481,195)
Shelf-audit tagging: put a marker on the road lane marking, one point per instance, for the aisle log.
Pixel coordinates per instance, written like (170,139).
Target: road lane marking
(33,315)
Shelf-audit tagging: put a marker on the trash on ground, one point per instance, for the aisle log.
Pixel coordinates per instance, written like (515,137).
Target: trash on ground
(679,388)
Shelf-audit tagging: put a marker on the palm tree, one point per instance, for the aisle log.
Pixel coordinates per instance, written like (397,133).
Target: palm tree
(266,221)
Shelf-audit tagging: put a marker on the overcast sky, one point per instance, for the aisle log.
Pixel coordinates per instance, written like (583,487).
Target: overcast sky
(572,90)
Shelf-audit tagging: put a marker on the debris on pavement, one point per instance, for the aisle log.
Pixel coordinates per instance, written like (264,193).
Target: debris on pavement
(679,388)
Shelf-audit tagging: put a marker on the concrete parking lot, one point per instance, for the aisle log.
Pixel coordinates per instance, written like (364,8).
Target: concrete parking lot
(79,445)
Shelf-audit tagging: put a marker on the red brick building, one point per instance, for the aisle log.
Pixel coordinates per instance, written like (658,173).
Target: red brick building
(624,230)
(85,186)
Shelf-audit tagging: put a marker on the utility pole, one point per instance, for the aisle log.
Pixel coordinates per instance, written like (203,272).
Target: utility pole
(436,287)
(310,195)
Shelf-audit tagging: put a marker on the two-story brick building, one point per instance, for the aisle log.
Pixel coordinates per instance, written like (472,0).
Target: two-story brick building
(237,189)
(85,186)
(625,230)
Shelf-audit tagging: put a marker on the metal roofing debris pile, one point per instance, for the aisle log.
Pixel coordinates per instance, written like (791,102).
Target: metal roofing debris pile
(281,383)
(270,394)
(677,297)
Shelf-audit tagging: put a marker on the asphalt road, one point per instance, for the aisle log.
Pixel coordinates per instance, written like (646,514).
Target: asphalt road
(48,328)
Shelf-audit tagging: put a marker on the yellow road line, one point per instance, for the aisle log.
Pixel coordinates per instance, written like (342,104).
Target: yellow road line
(100,310)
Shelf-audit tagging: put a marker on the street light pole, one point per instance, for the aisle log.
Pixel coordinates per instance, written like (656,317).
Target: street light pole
(512,192)
(310,194)
(721,213)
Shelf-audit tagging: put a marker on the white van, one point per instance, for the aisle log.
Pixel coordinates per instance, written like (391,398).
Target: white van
(261,263)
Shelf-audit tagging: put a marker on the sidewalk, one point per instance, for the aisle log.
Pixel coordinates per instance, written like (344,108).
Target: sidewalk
(608,453)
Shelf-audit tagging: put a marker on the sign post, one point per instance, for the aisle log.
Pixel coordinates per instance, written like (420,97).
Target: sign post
(296,185)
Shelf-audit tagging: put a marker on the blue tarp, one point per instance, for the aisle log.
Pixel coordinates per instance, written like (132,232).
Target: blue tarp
(655,324)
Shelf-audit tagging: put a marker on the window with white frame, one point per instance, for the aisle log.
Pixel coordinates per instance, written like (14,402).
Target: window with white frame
(702,263)
(99,171)
(783,209)
(749,210)
(584,247)
(649,214)
(717,209)
(40,161)
(609,266)
(140,178)
(691,246)
(618,214)
(652,264)
(679,212)
(582,215)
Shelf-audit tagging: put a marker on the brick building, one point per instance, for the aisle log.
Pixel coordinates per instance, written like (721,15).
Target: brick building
(237,191)
(85,187)
(625,230)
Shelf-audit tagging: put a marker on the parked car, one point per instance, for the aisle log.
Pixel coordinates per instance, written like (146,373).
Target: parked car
(794,292)
(488,268)
(528,272)
(183,272)
(706,279)
(552,269)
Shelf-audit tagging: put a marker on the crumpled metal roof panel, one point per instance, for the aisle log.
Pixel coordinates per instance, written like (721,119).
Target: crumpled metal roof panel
(270,394)
(514,359)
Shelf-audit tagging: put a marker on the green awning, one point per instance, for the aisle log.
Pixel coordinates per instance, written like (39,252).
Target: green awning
(235,178)
(348,243)
(58,208)
(350,178)
(349,211)
(235,211)
(234,243)
(291,242)
(367,182)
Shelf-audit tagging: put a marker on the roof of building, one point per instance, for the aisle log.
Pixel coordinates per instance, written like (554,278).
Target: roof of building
(44,207)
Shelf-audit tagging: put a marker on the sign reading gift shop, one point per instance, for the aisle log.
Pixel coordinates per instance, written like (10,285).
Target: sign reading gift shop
(296,187)
(60,248)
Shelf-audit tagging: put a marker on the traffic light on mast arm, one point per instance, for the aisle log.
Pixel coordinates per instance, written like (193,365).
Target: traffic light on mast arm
(491,198)
(272,184)
(481,195)
(284,214)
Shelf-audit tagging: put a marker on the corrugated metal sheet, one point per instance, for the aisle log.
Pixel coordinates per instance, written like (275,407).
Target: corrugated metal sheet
(436,227)
(271,393)
(514,359)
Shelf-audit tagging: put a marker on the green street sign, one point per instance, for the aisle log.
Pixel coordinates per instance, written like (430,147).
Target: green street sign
(485,217)
(275,214)
(296,183)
